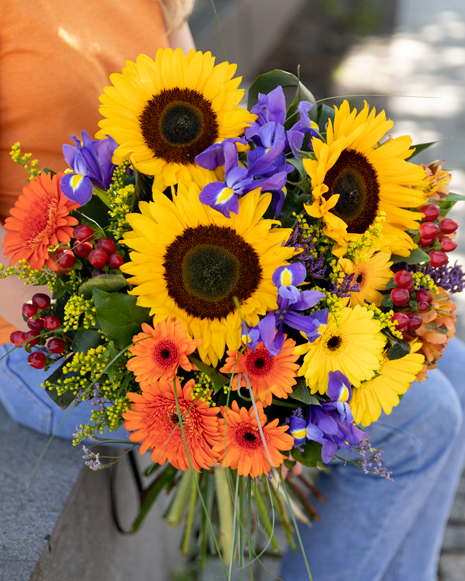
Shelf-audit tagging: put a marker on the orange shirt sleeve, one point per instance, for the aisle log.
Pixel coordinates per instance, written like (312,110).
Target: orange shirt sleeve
(55,59)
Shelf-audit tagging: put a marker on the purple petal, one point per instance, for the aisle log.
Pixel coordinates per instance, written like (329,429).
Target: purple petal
(307,300)
(76,188)
(325,422)
(314,433)
(211,196)
(328,451)
(276,105)
(295,138)
(69,153)
(292,274)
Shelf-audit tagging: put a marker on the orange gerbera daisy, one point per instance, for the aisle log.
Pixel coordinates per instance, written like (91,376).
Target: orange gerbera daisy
(159,351)
(39,219)
(268,375)
(154,416)
(242,447)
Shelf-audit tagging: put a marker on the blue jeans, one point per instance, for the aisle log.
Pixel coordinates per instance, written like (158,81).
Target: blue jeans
(373,530)
(27,403)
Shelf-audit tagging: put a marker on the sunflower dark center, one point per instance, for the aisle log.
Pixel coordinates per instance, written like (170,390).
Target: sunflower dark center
(205,267)
(178,124)
(334,342)
(356,181)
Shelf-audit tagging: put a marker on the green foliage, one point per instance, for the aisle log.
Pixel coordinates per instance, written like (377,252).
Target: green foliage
(416,257)
(119,317)
(106,282)
(143,190)
(301,392)
(218,379)
(311,455)
(97,209)
(86,339)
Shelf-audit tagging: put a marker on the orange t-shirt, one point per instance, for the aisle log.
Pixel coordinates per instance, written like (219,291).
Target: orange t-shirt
(55,59)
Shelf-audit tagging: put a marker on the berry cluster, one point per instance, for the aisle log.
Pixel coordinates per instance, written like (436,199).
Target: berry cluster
(100,253)
(40,320)
(435,235)
(413,302)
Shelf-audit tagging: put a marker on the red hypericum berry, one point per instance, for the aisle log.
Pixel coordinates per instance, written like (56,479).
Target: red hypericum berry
(402,321)
(52,323)
(98,258)
(41,301)
(18,337)
(107,245)
(448,226)
(410,287)
(36,325)
(29,310)
(83,232)
(438,258)
(37,360)
(447,244)
(66,258)
(400,296)
(431,212)
(423,305)
(423,295)
(429,230)
(115,261)
(83,249)
(414,322)
(98,272)
(426,242)
(56,345)
(32,338)
(403,278)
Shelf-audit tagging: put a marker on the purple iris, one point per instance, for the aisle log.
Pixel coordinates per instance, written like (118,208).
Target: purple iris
(224,196)
(92,165)
(290,299)
(331,423)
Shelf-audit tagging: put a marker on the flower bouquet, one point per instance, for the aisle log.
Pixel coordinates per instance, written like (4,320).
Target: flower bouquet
(242,290)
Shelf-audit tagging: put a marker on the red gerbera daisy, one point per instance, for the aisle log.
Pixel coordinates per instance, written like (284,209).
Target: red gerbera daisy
(268,375)
(154,416)
(242,447)
(159,351)
(39,219)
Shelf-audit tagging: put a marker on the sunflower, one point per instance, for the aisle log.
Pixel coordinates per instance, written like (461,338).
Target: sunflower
(268,375)
(241,446)
(39,219)
(353,345)
(163,113)
(371,275)
(155,418)
(160,350)
(190,262)
(394,378)
(353,179)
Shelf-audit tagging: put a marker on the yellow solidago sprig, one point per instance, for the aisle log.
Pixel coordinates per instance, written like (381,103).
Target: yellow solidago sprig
(120,197)
(25,161)
(76,307)
(424,281)
(204,388)
(385,318)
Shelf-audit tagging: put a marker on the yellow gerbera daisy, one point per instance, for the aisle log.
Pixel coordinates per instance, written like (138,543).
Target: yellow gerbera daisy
(353,344)
(163,113)
(189,262)
(371,275)
(394,378)
(354,179)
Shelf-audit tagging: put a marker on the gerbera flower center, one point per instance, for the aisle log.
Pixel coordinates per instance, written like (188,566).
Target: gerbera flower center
(259,363)
(165,354)
(355,180)
(206,266)
(178,124)
(248,437)
(334,342)
(39,222)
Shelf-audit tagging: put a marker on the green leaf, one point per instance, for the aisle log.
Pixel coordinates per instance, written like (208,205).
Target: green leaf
(416,257)
(218,379)
(95,211)
(387,302)
(143,189)
(269,81)
(455,198)
(66,398)
(294,202)
(119,317)
(86,339)
(165,479)
(391,283)
(311,455)
(325,113)
(107,282)
(398,350)
(49,171)
(301,392)
(416,149)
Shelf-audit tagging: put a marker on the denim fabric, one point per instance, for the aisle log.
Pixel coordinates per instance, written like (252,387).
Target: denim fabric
(28,404)
(373,530)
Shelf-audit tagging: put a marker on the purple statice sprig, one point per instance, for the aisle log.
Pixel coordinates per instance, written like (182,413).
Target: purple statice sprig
(450,278)
(92,459)
(345,287)
(372,460)
(314,265)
